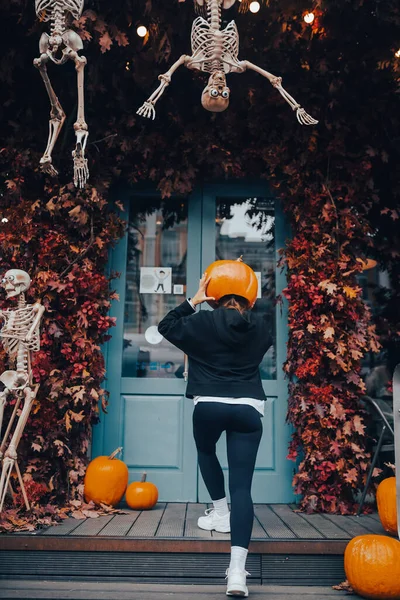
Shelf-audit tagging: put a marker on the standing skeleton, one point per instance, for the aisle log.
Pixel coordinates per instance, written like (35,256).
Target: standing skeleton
(20,337)
(61,45)
(215,51)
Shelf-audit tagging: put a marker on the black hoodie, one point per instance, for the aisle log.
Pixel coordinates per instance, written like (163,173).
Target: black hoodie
(225,349)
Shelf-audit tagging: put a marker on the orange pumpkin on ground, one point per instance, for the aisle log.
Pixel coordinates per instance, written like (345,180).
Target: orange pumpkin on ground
(232,277)
(386,500)
(141,495)
(372,565)
(106,479)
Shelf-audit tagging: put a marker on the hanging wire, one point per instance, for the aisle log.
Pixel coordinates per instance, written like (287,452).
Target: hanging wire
(200,10)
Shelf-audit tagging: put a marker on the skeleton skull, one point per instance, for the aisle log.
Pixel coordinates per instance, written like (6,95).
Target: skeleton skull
(15,281)
(215,96)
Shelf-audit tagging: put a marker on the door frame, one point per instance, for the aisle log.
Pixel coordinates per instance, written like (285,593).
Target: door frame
(108,433)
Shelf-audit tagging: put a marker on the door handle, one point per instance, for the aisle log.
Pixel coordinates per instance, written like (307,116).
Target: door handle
(185,368)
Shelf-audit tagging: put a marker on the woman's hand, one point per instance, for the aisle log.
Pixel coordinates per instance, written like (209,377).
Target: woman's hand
(201,294)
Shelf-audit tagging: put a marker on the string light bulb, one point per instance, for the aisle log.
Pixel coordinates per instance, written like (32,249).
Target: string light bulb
(141,31)
(254,7)
(309,18)
(397,54)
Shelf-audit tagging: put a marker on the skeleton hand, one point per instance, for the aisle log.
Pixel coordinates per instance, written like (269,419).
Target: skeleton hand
(304,118)
(147,110)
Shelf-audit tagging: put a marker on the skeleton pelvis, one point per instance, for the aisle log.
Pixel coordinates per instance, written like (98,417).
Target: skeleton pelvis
(14,380)
(70,39)
(225,3)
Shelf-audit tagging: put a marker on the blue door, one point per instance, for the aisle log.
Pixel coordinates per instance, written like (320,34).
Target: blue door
(160,260)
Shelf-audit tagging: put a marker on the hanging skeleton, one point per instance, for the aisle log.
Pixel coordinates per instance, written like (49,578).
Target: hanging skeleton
(20,337)
(61,45)
(215,51)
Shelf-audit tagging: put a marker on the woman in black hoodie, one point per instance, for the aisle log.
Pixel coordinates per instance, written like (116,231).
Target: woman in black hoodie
(225,348)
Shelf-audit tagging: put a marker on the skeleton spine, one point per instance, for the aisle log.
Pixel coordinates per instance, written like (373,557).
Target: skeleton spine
(22,359)
(57,20)
(22,355)
(214,13)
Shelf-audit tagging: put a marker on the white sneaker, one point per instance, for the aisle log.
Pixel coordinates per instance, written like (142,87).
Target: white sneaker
(236,585)
(213,521)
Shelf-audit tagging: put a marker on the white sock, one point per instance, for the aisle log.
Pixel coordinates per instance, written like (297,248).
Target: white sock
(221,507)
(238,557)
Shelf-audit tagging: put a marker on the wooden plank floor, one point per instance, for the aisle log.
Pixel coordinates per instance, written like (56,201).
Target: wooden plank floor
(179,521)
(165,545)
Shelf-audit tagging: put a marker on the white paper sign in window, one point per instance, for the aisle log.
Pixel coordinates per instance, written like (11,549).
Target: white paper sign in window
(155,280)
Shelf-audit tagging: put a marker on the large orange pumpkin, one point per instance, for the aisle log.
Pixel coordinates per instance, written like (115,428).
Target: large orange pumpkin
(386,500)
(232,277)
(141,495)
(106,479)
(372,565)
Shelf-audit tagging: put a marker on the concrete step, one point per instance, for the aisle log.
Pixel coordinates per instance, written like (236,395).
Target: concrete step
(67,590)
(168,567)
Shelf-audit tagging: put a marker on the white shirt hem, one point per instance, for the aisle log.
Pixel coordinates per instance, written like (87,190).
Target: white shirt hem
(254,402)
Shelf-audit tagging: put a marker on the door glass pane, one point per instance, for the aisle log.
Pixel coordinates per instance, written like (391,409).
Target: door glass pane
(246,227)
(155,283)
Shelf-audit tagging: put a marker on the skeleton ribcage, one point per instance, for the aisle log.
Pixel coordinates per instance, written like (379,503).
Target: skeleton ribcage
(45,8)
(17,325)
(210,47)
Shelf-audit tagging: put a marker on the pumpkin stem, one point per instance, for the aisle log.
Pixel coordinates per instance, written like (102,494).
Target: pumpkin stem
(143,477)
(240,259)
(114,454)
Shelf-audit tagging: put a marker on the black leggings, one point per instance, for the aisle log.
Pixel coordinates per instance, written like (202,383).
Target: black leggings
(243,427)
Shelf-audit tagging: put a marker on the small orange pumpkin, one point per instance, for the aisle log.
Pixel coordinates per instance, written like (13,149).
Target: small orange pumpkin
(141,495)
(232,277)
(386,500)
(106,479)
(372,565)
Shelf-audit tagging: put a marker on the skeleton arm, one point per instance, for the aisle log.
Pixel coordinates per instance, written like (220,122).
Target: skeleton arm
(302,117)
(39,310)
(147,109)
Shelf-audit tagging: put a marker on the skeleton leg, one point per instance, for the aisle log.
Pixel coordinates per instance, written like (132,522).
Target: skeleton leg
(81,171)
(9,426)
(147,110)
(10,457)
(57,117)
(302,117)
(3,401)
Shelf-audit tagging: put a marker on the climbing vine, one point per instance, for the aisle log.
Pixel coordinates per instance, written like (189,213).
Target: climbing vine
(338,182)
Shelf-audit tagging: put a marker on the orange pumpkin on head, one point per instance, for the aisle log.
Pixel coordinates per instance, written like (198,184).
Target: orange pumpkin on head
(232,277)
